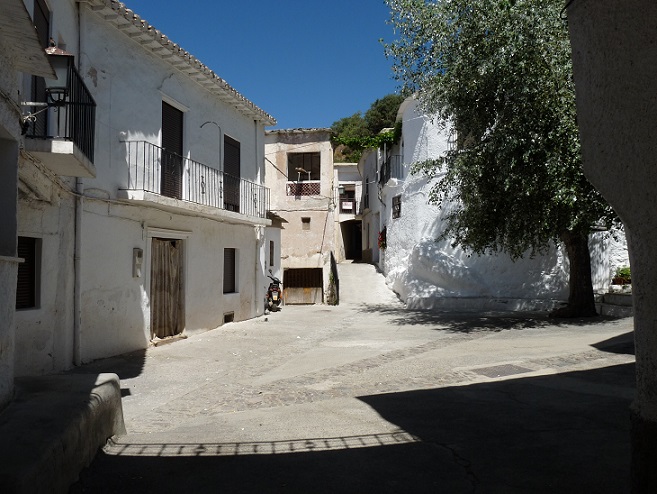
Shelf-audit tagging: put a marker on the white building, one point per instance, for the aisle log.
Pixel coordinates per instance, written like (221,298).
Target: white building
(20,53)
(427,273)
(142,208)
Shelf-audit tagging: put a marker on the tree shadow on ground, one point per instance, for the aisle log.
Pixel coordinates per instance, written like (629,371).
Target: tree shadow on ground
(470,322)
(621,344)
(566,433)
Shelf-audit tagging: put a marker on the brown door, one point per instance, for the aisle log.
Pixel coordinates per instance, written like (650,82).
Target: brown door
(232,172)
(172,144)
(166,287)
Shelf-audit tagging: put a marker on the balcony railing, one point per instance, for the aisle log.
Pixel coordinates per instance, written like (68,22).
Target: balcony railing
(310,188)
(155,170)
(68,114)
(392,168)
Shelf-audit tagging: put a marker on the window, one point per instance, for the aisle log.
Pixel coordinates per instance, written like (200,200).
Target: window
(230,270)
(27,287)
(305,223)
(271,253)
(232,174)
(366,197)
(172,151)
(396,206)
(308,162)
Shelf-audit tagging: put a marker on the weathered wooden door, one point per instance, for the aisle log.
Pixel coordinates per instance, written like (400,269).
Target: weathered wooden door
(166,287)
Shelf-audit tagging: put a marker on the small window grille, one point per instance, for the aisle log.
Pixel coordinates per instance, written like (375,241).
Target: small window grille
(396,206)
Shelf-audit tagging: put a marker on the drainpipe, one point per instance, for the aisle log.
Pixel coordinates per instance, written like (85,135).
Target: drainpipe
(77,295)
(79,189)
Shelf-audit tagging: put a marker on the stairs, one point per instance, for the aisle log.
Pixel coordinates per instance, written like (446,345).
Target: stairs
(361,283)
(616,305)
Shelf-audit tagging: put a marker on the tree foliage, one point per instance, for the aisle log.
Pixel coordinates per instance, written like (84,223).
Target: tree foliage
(383,113)
(351,127)
(355,133)
(500,71)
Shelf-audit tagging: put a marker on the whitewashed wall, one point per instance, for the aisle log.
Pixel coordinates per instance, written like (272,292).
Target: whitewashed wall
(9,140)
(433,274)
(128,85)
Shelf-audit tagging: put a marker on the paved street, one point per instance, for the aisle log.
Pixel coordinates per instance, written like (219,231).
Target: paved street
(370,397)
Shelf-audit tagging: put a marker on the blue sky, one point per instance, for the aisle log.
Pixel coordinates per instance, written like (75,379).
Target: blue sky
(308,63)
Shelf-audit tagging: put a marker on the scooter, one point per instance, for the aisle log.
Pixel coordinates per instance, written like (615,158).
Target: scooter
(274,294)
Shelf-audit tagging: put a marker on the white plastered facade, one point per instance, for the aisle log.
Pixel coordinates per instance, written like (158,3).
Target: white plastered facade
(430,273)
(129,71)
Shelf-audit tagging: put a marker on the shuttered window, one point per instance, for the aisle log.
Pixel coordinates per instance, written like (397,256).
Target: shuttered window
(28,273)
(232,174)
(230,270)
(172,143)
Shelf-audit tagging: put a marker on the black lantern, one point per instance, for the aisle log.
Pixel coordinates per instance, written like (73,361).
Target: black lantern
(58,89)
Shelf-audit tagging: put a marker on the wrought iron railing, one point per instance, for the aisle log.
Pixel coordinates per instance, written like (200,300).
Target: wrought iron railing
(153,169)
(312,188)
(393,167)
(69,114)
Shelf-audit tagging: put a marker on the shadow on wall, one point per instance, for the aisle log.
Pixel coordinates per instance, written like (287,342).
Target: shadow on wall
(541,434)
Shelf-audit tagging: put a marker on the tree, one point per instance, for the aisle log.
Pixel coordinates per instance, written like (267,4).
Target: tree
(500,71)
(353,126)
(383,113)
(354,134)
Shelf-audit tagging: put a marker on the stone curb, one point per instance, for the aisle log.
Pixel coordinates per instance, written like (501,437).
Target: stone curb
(53,429)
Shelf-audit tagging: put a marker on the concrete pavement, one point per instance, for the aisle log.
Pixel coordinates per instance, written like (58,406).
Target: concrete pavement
(370,397)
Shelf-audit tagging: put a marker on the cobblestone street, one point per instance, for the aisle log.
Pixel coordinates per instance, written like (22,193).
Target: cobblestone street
(369,396)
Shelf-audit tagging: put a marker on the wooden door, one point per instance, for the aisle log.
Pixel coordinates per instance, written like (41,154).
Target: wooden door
(166,287)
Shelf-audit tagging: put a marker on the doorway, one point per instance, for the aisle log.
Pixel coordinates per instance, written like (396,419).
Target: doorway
(352,237)
(167,306)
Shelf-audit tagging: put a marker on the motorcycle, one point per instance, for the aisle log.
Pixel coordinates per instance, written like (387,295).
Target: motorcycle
(274,294)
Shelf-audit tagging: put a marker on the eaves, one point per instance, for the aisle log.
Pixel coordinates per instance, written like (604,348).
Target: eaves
(152,40)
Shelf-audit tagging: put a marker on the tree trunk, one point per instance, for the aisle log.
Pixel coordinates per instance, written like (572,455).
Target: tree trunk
(581,301)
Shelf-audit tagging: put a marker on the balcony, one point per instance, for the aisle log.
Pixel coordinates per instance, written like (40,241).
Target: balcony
(60,128)
(306,188)
(171,181)
(392,168)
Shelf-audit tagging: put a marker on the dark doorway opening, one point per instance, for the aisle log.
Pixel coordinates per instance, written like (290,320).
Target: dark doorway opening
(352,238)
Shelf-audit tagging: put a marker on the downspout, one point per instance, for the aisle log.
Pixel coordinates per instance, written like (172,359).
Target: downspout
(77,276)
(77,300)
(260,234)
